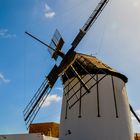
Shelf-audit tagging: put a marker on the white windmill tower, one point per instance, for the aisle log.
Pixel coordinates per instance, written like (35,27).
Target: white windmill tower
(102,113)
(95,104)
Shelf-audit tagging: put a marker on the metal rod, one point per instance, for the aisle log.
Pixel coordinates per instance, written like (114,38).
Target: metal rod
(85,83)
(114,95)
(67,104)
(86,91)
(84,68)
(132,110)
(79,78)
(34,97)
(72,87)
(61,54)
(75,83)
(37,109)
(80,101)
(39,40)
(98,101)
(37,102)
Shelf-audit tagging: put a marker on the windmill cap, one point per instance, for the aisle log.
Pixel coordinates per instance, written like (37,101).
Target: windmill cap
(86,64)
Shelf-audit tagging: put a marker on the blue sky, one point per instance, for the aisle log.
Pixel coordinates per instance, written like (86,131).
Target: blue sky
(114,38)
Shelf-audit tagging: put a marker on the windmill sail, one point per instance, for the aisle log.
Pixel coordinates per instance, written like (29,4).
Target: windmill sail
(55,49)
(89,23)
(34,105)
(38,99)
(94,15)
(57,43)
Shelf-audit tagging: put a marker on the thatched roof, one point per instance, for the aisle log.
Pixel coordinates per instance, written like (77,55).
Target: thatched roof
(85,64)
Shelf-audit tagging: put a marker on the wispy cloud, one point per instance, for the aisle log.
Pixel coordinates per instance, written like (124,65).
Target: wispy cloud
(4,33)
(49,13)
(3,79)
(60,89)
(51,99)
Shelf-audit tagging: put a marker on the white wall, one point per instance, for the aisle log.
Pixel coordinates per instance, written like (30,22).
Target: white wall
(26,137)
(21,137)
(91,127)
(49,138)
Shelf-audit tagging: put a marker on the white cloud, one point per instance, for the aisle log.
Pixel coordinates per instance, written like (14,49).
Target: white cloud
(51,99)
(136,125)
(4,33)
(60,88)
(47,7)
(49,13)
(3,79)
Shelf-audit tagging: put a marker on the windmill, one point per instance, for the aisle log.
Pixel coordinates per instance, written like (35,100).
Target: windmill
(94,98)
